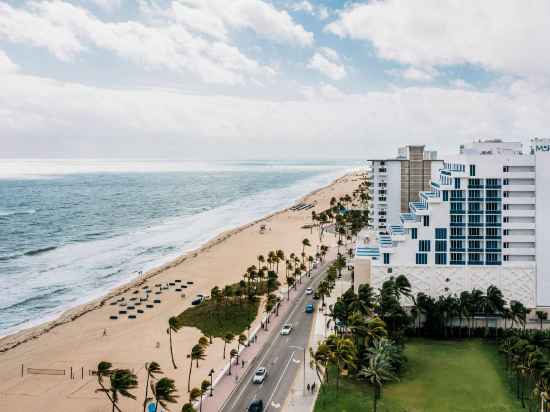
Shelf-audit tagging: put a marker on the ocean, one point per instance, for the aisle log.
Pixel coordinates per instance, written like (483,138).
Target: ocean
(71,230)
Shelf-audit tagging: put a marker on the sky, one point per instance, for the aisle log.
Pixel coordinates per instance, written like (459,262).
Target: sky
(241,79)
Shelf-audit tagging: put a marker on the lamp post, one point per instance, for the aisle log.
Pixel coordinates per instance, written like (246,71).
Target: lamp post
(211,374)
(304,365)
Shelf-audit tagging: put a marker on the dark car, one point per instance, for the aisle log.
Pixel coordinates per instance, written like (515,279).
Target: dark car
(256,406)
(316,296)
(198,300)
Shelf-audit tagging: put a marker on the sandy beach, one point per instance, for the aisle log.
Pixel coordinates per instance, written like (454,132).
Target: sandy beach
(76,340)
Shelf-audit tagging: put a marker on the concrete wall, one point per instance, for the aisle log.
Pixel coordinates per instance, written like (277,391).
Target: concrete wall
(542,178)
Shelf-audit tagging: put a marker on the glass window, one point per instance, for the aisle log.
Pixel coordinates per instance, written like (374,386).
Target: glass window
(426,220)
(441,233)
(424,245)
(421,258)
(386,258)
(414,233)
(440,258)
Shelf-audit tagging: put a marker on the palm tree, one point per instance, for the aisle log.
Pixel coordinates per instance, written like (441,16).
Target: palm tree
(305,243)
(204,342)
(541,316)
(197,353)
(205,385)
(173,326)
(228,338)
(152,369)
(194,394)
(164,392)
(319,360)
(280,255)
(188,407)
(122,382)
(232,354)
(104,371)
(342,354)
(241,340)
(377,373)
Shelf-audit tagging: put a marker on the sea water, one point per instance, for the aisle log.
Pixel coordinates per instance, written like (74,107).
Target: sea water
(71,230)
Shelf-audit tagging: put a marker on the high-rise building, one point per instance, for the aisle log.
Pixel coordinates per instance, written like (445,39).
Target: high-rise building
(398,181)
(484,221)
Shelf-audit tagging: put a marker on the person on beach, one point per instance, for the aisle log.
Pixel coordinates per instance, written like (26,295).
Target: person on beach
(313,387)
(104,332)
(308,387)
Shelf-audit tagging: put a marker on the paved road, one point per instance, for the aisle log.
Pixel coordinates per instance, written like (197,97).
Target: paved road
(281,357)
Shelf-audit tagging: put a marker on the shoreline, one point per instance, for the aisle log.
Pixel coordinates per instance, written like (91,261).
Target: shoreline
(16,339)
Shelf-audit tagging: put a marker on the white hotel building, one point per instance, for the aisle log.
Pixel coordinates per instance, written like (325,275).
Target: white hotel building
(485,220)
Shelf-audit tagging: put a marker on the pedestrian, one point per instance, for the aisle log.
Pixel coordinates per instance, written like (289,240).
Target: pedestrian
(308,387)
(242,363)
(104,332)
(313,387)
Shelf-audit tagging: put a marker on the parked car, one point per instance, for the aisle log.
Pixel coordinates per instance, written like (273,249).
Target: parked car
(256,406)
(260,375)
(316,296)
(309,291)
(198,300)
(286,330)
(309,308)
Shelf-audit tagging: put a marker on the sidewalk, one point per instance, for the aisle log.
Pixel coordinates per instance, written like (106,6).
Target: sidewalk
(297,401)
(224,384)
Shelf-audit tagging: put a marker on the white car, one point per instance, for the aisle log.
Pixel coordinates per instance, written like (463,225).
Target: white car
(286,330)
(260,375)
(309,291)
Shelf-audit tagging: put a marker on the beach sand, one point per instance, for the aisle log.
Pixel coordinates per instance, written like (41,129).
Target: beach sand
(76,339)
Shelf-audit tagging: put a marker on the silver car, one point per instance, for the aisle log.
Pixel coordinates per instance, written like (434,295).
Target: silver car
(286,330)
(260,375)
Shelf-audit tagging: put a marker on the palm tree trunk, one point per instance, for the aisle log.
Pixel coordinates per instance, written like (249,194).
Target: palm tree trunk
(189,379)
(171,350)
(146,389)
(109,396)
(375,397)
(224,345)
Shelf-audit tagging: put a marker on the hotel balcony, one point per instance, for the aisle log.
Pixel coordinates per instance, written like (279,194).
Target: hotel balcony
(519,200)
(519,188)
(519,175)
(519,213)
(519,238)
(520,251)
(523,225)
(418,208)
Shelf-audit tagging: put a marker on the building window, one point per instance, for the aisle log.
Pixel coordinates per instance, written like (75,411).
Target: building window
(386,258)
(421,258)
(445,195)
(441,233)
(457,231)
(506,245)
(472,170)
(474,231)
(414,233)
(492,244)
(440,245)
(457,183)
(424,246)
(426,220)
(440,258)
(505,169)
(457,244)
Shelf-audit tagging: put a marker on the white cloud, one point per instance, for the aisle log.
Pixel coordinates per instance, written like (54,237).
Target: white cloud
(108,5)
(415,74)
(321,11)
(67,31)
(328,62)
(6,65)
(304,5)
(460,84)
(216,17)
(48,118)
(503,36)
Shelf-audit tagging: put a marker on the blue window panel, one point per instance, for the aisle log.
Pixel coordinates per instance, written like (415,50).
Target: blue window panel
(421,258)
(424,246)
(426,220)
(440,245)
(441,233)
(457,183)
(414,233)
(440,258)
(445,195)
(386,258)
(472,170)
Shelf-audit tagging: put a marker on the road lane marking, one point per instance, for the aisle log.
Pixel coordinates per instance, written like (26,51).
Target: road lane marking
(279,381)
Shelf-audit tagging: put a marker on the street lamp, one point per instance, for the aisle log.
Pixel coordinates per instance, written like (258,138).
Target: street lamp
(303,349)
(211,374)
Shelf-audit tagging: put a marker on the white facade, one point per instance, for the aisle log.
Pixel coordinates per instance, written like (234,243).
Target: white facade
(388,191)
(483,222)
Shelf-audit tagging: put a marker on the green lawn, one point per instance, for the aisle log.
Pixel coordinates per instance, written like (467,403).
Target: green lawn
(441,377)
